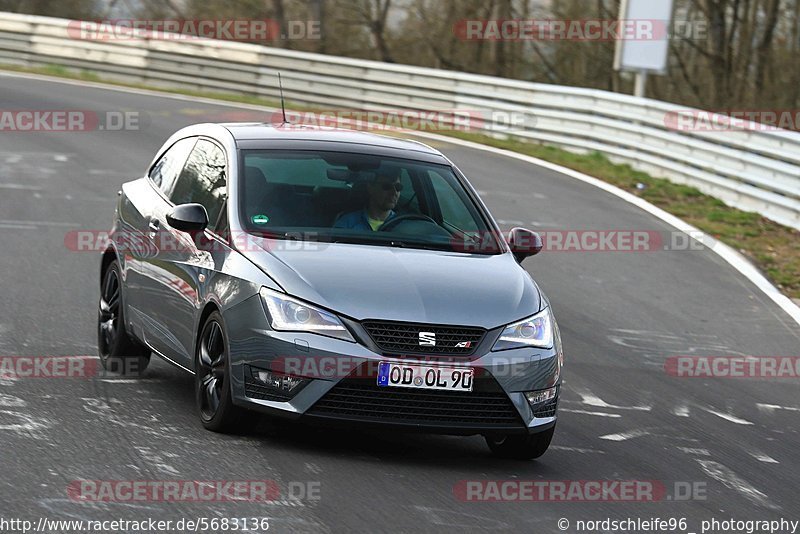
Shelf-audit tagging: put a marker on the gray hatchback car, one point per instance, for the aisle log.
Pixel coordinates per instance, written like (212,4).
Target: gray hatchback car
(331,276)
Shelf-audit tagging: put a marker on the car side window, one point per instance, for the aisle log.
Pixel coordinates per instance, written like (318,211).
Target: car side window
(203,179)
(166,170)
(454,210)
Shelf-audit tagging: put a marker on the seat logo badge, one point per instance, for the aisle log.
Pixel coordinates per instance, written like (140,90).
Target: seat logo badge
(427,339)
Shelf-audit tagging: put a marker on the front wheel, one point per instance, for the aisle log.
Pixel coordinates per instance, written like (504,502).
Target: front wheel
(118,351)
(521,447)
(213,380)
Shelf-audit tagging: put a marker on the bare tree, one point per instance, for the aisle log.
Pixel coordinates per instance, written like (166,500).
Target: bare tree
(373,15)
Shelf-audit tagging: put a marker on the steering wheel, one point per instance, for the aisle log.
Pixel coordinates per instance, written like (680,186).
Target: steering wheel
(391,223)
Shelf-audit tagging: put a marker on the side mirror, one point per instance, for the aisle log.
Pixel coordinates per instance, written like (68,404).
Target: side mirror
(188,218)
(524,243)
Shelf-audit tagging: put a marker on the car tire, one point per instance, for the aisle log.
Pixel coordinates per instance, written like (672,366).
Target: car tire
(119,352)
(213,381)
(525,447)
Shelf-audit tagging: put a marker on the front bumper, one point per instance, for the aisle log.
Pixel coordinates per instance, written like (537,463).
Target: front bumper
(342,388)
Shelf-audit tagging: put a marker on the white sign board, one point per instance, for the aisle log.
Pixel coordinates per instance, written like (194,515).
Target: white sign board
(647,52)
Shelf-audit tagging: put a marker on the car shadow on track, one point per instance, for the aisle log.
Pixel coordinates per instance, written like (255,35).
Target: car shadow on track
(387,446)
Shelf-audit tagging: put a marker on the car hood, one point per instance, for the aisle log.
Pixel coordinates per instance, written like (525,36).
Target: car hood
(423,286)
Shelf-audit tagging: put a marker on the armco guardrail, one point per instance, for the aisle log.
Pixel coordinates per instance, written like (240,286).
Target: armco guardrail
(752,170)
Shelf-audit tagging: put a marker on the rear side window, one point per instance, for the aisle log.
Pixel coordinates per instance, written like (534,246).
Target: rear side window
(166,170)
(203,179)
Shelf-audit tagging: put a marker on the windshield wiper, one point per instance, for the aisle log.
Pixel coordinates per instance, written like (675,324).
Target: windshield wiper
(388,242)
(418,245)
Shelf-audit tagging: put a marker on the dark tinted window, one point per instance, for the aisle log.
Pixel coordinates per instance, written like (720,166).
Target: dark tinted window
(203,179)
(166,170)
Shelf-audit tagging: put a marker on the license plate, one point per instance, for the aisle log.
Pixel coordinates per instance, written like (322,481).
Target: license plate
(404,375)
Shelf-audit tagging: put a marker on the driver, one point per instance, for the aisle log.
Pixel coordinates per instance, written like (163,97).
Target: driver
(384,192)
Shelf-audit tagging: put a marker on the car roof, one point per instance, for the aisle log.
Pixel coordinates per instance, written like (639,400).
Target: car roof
(291,132)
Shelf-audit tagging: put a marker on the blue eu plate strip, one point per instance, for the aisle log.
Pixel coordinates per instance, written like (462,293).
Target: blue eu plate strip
(383,374)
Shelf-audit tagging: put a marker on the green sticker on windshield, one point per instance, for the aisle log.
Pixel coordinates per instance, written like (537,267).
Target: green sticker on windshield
(259,219)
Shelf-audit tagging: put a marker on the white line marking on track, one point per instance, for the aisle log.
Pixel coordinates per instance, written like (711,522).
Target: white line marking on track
(17,227)
(157,460)
(696,452)
(624,436)
(728,478)
(453,519)
(761,457)
(728,417)
(681,411)
(597,414)
(39,223)
(595,401)
(27,425)
(770,408)
(576,449)
(21,187)
(9,401)
(121,380)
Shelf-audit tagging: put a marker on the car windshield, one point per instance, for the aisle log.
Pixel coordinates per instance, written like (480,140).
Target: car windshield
(356,198)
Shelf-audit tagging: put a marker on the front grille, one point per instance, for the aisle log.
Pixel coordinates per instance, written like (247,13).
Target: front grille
(404,338)
(362,399)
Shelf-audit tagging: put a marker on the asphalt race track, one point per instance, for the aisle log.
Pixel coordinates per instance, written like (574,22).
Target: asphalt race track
(621,315)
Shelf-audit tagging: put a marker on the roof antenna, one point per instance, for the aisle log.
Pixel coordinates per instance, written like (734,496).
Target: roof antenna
(283,104)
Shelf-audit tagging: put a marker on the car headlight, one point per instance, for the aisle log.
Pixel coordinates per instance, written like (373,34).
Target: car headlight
(536,331)
(288,314)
